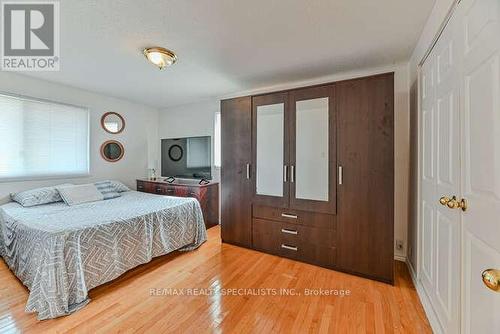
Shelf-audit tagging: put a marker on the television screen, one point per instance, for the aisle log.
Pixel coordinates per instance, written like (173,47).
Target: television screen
(187,157)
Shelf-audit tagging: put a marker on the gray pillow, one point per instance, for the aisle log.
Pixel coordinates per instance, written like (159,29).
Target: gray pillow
(38,196)
(107,189)
(119,187)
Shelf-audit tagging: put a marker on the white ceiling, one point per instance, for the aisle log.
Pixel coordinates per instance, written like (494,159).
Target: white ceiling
(225,46)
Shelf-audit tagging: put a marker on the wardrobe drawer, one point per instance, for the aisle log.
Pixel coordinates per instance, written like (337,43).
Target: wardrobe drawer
(312,219)
(320,236)
(266,236)
(308,244)
(309,252)
(298,242)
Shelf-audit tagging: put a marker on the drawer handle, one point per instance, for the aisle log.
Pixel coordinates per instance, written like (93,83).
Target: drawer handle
(284,230)
(140,187)
(158,190)
(286,215)
(289,247)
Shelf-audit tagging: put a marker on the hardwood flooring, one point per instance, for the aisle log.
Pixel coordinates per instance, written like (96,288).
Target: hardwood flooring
(148,298)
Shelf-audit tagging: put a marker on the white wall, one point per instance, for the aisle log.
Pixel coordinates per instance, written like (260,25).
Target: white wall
(139,137)
(197,119)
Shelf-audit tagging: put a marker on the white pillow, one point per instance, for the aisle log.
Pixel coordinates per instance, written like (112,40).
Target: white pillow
(79,194)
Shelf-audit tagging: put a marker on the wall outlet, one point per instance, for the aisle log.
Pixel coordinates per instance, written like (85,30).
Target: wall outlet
(399,245)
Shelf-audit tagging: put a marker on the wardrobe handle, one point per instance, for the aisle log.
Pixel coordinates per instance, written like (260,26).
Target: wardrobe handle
(285,173)
(248,171)
(289,247)
(284,230)
(292,173)
(341,175)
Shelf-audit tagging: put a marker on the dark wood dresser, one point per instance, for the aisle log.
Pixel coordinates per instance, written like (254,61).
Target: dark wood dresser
(207,195)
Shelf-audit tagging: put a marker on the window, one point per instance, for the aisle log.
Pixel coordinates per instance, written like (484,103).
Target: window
(41,139)
(217,140)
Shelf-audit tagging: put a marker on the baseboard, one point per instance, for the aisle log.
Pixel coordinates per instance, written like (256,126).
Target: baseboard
(424,299)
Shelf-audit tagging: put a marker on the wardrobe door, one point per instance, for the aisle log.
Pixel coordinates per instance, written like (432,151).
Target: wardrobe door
(236,186)
(312,149)
(271,170)
(365,111)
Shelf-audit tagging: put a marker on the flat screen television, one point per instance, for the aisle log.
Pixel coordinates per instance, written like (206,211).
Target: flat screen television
(187,158)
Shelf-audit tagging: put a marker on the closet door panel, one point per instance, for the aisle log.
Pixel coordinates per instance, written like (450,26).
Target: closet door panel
(440,178)
(270,150)
(236,146)
(313,149)
(480,173)
(365,111)
(447,167)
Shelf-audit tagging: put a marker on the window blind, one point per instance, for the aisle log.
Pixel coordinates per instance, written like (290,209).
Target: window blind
(42,139)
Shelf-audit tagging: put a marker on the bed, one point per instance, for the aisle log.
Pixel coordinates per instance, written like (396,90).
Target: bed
(60,252)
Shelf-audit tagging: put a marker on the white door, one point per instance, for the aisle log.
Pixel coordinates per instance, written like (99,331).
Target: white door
(440,154)
(480,110)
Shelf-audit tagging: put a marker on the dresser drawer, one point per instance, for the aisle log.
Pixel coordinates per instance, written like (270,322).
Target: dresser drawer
(141,186)
(144,186)
(312,219)
(162,189)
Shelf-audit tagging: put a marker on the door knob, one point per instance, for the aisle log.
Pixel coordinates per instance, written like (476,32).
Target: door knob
(463,204)
(453,203)
(491,278)
(444,200)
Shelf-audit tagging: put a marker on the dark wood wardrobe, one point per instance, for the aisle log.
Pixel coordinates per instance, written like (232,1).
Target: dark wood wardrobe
(308,174)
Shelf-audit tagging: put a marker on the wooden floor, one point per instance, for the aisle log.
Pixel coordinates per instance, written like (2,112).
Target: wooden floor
(148,299)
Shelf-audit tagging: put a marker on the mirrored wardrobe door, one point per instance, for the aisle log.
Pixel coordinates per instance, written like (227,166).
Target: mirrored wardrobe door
(312,149)
(270,153)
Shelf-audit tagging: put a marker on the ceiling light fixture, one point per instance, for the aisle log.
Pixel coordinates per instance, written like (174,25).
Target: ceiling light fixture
(160,57)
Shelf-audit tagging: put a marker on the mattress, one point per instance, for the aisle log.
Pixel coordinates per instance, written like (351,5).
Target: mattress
(61,252)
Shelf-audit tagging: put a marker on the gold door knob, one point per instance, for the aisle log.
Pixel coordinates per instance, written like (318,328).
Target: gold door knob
(491,278)
(463,204)
(453,203)
(444,200)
